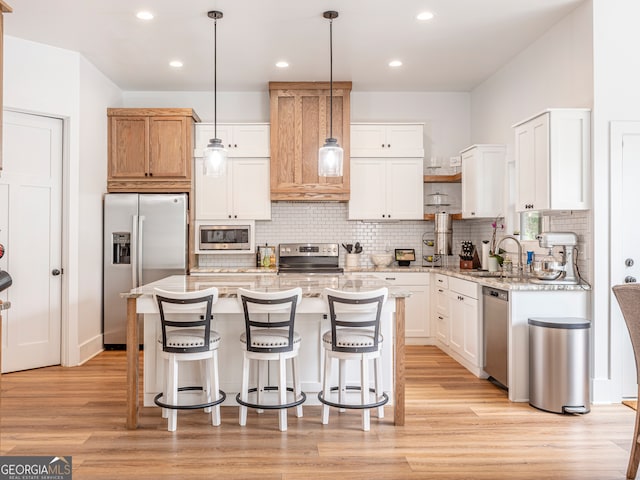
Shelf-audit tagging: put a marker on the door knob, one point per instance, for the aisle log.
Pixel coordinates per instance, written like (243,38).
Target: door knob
(629,279)
(55,272)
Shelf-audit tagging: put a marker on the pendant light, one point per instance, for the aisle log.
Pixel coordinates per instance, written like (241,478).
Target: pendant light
(330,154)
(215,155)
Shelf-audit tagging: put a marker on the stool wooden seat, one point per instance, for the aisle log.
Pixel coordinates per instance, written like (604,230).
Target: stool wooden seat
(187,336)
(354,335)
(270,336)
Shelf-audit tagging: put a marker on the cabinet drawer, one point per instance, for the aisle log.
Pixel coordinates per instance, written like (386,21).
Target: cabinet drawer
(463,287)
(403,278)
(441,281)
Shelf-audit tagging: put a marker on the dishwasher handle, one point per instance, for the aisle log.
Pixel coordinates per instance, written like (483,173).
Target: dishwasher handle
(495,293)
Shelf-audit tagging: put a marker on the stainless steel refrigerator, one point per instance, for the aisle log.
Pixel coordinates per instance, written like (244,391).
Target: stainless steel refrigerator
(145,239)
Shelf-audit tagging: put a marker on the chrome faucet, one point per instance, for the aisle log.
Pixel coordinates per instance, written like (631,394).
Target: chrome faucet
(519,268)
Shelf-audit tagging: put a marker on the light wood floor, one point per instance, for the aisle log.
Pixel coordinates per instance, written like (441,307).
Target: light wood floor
(457,427)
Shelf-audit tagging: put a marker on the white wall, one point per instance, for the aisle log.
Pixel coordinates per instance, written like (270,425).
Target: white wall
(616,97)
(57,82)
(97,93)
(445,114)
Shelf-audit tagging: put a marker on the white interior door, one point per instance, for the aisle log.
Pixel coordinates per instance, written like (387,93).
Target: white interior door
(31,230)
(625,232)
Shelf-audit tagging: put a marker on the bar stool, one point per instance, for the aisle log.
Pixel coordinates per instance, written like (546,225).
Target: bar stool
(270,336)
(187,336)
(354,335)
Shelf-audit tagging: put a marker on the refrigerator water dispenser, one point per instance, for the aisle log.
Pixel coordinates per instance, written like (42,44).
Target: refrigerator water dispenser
(121,248)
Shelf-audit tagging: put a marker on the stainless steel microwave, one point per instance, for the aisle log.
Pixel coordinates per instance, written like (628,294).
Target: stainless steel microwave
(225,237)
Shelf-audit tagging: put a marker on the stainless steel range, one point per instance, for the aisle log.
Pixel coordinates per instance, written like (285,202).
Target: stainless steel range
(308,258)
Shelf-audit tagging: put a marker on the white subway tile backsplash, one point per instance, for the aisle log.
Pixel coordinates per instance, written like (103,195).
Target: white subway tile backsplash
(327,222)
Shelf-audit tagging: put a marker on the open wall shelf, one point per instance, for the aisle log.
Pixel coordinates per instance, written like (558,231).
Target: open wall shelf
(454,178)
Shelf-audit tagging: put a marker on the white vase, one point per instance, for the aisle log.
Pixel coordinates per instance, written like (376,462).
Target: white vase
(493,264)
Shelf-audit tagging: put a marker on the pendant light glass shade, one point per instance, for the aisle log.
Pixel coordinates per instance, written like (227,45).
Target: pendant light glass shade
(215,155)
(215,159)
(330,159)
(330,154)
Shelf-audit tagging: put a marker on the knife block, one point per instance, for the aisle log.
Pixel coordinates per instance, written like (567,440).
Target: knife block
(470,264)
(466,264)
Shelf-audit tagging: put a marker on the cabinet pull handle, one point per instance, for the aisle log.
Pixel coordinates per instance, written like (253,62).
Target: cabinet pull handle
(390,278)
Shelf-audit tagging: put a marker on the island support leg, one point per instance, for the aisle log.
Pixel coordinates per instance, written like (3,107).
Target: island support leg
(133,361)
(398,416)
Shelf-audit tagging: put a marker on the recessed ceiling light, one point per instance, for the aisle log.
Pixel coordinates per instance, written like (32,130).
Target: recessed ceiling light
(395,63)
(425,16)
(175,63)
(282,64)
(144,15)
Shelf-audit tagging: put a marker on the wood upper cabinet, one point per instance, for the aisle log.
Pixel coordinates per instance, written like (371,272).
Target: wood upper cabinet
(299,127)
(4,8)
(150,149)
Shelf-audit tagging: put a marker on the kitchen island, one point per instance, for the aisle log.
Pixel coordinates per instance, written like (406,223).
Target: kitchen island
(311,323)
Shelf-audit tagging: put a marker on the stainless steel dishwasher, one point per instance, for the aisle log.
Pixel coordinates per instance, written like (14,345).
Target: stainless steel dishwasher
(495,314)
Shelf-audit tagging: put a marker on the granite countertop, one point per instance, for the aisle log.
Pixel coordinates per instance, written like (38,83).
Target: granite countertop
(510,282)
(312,285)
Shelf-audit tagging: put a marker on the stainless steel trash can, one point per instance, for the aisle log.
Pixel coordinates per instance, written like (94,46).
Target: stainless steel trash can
(559,364)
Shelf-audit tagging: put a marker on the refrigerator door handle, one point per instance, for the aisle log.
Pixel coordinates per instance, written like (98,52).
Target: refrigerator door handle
(134,251)
(140,250)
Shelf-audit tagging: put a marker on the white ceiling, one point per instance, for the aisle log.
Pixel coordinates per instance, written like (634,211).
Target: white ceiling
(467,41)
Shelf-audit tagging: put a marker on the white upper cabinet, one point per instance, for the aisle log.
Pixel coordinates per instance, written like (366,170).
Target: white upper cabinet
(387,140)
(386,189)
(248,140)
(553,158)
(483,184)
(243,193)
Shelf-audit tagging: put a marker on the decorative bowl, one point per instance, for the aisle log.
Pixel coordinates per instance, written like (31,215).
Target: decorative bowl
(382,259)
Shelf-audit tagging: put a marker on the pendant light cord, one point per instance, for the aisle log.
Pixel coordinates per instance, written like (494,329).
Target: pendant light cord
(331,78)
(215,78)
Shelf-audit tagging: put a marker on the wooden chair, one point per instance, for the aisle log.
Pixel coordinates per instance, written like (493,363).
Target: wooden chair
(628,297)
(354,335)
(270,336)
(187,336)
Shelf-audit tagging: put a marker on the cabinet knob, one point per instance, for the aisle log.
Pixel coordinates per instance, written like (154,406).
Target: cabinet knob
(383,215)
(388,145)
(629,279)
(383,145)
(229,216)
(151,174)
(235,145)
(146,174)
